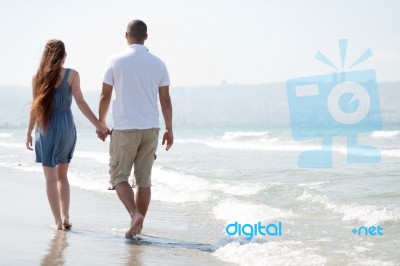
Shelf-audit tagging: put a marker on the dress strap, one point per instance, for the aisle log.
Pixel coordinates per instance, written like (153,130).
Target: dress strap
(66,75)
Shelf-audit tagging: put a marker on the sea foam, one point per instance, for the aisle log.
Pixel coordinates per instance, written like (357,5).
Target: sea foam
(287,252)
(231,210)
(385,134)
(367,214)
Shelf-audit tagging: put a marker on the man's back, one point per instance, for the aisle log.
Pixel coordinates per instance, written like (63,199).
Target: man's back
(136,76)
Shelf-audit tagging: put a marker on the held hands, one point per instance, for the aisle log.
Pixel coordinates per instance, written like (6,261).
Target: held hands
(168,139)
(102,131)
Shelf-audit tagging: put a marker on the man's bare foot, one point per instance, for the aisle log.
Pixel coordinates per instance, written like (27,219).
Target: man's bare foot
(136,223)
(139,230)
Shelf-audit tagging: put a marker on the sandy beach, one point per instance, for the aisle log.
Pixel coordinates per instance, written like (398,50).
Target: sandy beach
(97,237)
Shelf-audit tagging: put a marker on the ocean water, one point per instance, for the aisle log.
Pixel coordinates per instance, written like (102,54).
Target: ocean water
(234,160)
(220,175)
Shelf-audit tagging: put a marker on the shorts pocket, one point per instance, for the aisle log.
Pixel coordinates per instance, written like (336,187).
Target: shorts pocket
(113,161)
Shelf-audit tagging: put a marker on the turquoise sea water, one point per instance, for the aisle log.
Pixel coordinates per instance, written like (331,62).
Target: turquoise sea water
(219,176)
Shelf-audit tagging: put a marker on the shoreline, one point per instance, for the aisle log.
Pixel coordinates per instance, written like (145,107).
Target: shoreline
(99,222)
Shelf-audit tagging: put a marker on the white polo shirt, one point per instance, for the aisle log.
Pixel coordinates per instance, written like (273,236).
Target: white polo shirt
(136,76)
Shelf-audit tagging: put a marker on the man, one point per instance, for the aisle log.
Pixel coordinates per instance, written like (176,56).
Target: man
(137,76)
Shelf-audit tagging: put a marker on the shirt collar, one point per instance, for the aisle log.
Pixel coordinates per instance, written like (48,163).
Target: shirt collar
(138,47)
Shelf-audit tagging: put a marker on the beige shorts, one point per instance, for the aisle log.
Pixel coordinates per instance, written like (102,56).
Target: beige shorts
(135,148)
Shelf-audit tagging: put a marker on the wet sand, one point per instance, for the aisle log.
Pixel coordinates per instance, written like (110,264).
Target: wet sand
(97,237)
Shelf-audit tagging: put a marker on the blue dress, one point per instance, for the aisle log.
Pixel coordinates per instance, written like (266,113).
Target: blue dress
(56,144)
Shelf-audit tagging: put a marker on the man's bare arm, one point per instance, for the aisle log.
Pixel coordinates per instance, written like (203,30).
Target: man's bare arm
(105,99)
(104,104)
(166,107)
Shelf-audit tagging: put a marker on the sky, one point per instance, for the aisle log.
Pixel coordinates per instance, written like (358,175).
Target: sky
(204,42)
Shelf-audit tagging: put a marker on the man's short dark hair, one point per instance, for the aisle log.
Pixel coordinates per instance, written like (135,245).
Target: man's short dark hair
(137,29)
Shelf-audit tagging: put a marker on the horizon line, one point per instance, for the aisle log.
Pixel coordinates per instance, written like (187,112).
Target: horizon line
(200,85)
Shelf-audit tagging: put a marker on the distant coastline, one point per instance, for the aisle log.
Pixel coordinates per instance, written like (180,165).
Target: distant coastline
(203,105)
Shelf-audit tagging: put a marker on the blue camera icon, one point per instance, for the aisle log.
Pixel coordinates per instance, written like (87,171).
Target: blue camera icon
(338,104)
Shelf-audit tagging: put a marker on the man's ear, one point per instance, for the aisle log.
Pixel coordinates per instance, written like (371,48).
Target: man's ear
(126,35)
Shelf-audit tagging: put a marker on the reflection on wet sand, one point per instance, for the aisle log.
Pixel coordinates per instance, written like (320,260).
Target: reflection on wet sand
(172,243)
(134,255)
(165,245)
(55,253)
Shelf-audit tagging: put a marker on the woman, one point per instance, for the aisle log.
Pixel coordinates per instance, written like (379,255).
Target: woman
(53,88)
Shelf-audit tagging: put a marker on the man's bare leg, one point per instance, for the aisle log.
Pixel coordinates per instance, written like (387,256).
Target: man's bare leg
(142,200)
(64,193)
(125,194)
(52,194)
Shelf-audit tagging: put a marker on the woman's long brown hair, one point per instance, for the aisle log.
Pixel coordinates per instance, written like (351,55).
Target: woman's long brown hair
(45,81)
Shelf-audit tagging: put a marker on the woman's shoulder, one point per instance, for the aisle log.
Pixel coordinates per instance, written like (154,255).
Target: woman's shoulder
(73,74)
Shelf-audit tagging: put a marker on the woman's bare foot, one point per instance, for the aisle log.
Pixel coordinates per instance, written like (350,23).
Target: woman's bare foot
(67,225)
(58,226)
(136,223)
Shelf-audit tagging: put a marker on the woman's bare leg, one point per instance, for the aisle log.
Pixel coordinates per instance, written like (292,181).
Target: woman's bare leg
(64,194)
(52,194)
